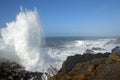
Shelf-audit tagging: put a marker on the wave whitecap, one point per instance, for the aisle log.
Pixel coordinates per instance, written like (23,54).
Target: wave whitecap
(21,41)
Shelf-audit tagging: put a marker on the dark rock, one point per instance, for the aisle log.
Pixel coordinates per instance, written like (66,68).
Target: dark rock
(97,48)
(116,50)
(90,67)
(13,71)
(89,51)
(73,60)
(111,41)
(17,77)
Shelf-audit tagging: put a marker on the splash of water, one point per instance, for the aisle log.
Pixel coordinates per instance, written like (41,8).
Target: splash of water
(21,40)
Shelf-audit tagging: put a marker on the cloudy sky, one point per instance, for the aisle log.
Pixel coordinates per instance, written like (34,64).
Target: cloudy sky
(69,17)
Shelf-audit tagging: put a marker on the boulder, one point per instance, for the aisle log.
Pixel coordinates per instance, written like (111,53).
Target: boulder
(14,71)
(97,49)
(91,67)
(89,51)
(116,50)
(115,57)
(116,54)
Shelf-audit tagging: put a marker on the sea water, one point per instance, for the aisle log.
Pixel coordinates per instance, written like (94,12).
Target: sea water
(22,41)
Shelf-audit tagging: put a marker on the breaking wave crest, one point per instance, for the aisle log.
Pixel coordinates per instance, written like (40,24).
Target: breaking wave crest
(21,41)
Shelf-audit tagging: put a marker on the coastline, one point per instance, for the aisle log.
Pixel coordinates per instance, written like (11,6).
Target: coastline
(91,67)
(78,67)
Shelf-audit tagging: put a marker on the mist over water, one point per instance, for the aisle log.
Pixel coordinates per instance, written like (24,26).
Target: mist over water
(21,41)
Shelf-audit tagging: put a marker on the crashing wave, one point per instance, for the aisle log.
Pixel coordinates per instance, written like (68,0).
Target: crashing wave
(21,42)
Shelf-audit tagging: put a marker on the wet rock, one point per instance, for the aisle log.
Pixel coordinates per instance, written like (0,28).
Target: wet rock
(90,67)
(13,71)
(116,50)
(89,51)
(115,54)
(97,48)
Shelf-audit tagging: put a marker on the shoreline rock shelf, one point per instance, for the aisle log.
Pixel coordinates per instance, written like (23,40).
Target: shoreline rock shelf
(78,67)
(91,67)
(13,71)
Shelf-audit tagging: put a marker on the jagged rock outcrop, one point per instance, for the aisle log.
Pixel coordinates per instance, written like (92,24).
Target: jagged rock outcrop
(13,71)
(91,67)
(116,50)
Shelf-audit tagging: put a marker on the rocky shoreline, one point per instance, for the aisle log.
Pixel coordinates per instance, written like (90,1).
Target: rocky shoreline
(13,71)
(91,67)
(78,67)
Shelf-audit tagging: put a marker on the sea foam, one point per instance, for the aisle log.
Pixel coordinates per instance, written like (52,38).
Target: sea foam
(21,41)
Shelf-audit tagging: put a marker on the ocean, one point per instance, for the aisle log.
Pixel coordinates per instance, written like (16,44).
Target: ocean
(59,48)
(22,41)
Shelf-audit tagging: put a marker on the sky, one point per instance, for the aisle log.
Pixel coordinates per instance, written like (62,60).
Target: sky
(69,17)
